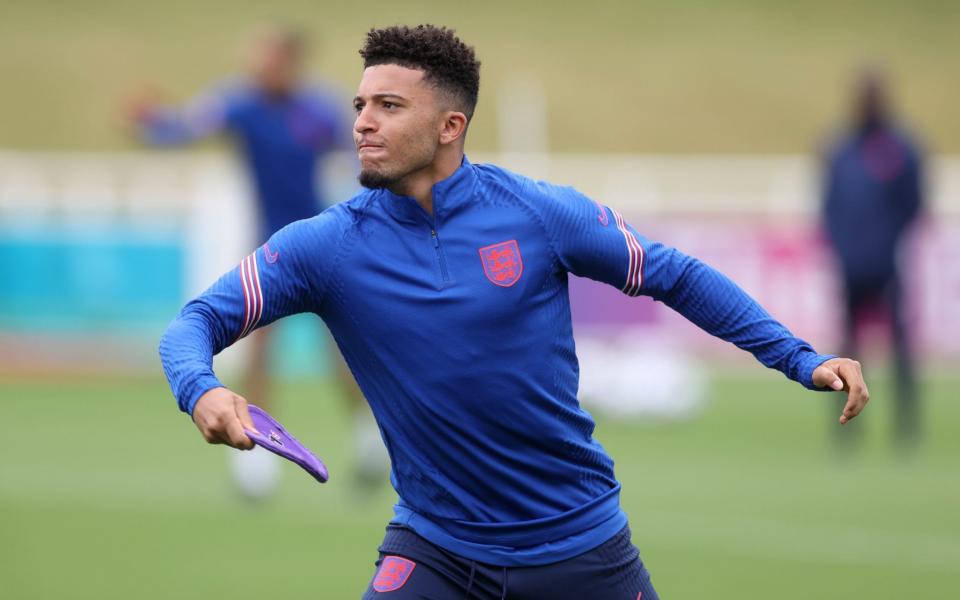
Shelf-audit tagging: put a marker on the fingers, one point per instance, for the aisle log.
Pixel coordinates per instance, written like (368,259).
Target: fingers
(844,374)
(243,413)
(219,415)
(857,393)
(824,376)
(235,435)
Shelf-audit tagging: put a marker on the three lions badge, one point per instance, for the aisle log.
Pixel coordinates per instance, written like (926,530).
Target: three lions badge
(393,573)
(502,263)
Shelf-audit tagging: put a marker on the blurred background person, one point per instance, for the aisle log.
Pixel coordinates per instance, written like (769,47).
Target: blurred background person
(282,127)
(873,194)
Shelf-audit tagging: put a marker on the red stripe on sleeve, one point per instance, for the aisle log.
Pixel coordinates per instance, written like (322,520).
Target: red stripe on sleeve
(635,267)
(246,298)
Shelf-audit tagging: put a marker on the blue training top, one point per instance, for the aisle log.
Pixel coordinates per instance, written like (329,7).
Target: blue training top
(457,327)
(874,187)
(280,139)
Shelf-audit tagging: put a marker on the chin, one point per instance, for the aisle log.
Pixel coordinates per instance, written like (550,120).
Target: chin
(373,179)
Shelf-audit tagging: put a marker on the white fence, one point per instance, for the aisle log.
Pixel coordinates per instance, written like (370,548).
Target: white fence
(721,208)
(152,185)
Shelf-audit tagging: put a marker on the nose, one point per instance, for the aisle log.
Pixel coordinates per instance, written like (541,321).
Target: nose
(365,122)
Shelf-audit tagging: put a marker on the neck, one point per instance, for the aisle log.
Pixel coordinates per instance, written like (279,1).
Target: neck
(419,184)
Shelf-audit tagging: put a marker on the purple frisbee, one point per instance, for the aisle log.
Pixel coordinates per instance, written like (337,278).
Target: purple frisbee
(276,439)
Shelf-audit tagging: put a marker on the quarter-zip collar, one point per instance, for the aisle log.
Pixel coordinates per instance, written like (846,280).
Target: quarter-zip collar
(448,195)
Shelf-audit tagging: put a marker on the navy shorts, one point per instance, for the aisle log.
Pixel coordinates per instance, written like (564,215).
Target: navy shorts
(411,568)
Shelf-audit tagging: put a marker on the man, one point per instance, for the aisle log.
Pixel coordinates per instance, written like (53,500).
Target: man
(873,195)
(445,286)
(282,128)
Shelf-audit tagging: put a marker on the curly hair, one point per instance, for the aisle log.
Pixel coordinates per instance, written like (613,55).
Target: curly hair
(448,64)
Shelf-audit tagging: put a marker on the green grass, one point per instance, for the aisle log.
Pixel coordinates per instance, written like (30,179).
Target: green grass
(641,76)
(107,492)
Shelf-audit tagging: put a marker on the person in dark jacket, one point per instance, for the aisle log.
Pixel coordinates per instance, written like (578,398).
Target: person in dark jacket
(873,194)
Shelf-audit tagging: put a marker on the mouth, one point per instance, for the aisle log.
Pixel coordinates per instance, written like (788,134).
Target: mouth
(368,146)
(370,152)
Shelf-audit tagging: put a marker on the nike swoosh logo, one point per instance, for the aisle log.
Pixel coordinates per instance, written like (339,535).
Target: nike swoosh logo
(271,257)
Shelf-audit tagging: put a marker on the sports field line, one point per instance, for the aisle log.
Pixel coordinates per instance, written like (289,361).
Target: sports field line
(712,532)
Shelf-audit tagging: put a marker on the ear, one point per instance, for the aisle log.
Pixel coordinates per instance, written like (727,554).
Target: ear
(453,127)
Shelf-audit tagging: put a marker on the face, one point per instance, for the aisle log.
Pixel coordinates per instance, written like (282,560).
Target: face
(274,64)
(870,107)
(398,126)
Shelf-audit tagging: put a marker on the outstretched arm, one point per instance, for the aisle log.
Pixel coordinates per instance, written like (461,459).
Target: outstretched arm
(717,305)
(164,125)
(594,241)
(281,278)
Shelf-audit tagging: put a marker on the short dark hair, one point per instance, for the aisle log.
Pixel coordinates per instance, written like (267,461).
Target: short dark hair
(448,64)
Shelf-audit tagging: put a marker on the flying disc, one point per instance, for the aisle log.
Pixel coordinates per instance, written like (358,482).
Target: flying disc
(274,437)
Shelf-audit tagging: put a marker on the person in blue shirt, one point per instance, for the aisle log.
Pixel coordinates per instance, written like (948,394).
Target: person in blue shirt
(444,284)
(874,187)
(282,128)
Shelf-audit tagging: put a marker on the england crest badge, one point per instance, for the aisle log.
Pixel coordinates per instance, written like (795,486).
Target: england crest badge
(502,263)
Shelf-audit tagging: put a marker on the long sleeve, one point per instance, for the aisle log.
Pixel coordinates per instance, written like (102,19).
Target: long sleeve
(283,277)
(334,124)
(830,202)
(203,116)
(912,195)
(720,307)
(595,241)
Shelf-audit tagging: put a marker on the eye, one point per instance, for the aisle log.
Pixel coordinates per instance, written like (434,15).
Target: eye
(389,105)
(357,107)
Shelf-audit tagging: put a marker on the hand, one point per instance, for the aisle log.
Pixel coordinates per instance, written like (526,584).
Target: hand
(844,374)
(141,104)
(221,417)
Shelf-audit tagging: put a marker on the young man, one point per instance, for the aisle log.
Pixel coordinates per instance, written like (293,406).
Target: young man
(445,286)
(282,127)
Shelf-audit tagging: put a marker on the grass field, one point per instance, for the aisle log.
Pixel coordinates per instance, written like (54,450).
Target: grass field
(107,492)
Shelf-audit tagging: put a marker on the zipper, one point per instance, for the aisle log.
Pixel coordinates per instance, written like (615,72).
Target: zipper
(440,258)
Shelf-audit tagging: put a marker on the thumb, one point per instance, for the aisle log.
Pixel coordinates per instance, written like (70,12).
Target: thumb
(824,376)
(240,407)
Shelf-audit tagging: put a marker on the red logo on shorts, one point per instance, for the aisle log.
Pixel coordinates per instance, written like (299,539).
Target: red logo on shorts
(502,263)
(394,572)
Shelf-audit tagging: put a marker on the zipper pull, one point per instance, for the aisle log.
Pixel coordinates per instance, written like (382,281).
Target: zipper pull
(436,240)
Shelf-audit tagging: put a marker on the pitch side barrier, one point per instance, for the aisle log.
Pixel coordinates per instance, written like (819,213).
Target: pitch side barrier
(102,246)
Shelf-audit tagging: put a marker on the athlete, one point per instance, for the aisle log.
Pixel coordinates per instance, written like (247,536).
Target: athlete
(444,284)
(283,128)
